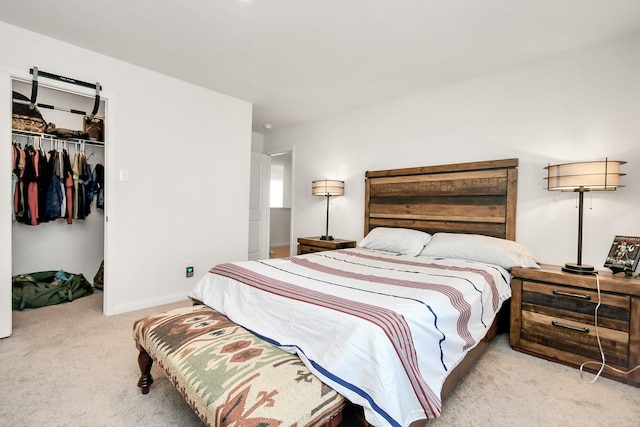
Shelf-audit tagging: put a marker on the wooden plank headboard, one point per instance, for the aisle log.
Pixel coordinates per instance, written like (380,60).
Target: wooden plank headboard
(476,197)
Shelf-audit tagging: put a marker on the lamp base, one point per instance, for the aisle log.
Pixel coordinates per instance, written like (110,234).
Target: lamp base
(578,268)
(326,237)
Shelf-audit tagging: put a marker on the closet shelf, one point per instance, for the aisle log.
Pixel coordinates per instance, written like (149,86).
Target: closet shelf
(54,138)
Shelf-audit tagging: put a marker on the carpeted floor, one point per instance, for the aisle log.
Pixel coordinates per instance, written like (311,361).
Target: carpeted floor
(68,365)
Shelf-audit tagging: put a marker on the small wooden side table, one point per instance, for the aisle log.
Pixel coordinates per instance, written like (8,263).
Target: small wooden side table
(553,317)
(307,245)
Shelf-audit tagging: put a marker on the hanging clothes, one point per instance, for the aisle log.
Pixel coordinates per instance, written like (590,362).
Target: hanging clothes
(99,187)
(85,189)
(68,185)
(48,186)
(16,175)
(55,194)
(27,209)
(81,183)
(44,181)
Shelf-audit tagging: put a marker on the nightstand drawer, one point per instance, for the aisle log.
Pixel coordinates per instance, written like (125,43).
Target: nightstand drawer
(577,304)
(575,337)
(307,249)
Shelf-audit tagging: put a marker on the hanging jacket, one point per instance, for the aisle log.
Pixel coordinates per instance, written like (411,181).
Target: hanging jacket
(87,190)
(44,181)
(68,184)
(30,187)
(54,198)
(99,172)
(18,196)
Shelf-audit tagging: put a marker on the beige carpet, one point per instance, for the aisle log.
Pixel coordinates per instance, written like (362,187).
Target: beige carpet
(68,365)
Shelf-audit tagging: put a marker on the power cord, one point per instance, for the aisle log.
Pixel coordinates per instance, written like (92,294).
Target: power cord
(603,362)
(603,359)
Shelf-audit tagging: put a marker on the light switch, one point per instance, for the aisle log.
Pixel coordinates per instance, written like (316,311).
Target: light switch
(124,175)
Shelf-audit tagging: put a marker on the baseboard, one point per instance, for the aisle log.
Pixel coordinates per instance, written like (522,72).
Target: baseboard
(147,303)
(277,245)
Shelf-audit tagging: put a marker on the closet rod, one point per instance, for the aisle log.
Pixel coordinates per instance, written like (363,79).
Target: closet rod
(52,138)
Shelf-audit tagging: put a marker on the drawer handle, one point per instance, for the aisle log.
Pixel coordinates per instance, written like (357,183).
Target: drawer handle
(568,294)
(573,328)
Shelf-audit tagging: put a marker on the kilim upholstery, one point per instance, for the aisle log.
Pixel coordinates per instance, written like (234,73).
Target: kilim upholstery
(229,376)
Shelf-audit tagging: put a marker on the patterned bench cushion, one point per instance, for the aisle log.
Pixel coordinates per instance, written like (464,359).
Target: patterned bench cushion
(229,376)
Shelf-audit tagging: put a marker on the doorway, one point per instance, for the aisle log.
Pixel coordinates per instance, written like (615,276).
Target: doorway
(280,204)
(72,242)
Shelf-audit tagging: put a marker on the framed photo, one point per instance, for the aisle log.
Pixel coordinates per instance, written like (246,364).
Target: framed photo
(623,255)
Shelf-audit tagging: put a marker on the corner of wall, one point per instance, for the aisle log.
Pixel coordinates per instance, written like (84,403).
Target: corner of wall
(257,142)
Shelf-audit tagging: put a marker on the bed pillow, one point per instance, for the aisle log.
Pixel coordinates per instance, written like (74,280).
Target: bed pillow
(476,247)
(402,241)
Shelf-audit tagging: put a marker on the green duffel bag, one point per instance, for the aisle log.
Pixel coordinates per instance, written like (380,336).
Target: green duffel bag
(47,288)
(98,279)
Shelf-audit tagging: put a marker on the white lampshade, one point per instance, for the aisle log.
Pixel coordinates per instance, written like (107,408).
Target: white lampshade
(327,187)
(585,176)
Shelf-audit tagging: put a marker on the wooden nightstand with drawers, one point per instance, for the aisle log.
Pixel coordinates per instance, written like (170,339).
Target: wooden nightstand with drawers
(553,316)
(308,245)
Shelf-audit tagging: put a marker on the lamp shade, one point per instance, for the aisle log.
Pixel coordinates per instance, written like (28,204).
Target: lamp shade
(585,176)
(327,187)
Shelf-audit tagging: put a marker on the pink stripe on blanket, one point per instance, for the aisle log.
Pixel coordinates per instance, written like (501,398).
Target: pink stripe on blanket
(391,323)
(487,276)
(455,296)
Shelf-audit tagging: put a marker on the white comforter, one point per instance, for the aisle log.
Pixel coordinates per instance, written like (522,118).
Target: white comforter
(383,330)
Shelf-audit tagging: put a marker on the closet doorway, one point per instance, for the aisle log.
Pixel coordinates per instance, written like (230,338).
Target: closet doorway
(75,245)
(281,204)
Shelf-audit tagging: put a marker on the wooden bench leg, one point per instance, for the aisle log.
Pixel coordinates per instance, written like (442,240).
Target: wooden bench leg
(144,362)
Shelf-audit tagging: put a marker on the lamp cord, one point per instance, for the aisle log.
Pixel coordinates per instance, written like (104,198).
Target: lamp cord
(602,362)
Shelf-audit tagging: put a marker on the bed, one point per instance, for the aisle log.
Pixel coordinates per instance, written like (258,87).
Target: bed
(394,324)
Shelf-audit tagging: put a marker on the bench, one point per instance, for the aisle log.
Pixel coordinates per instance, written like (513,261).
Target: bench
(228,375)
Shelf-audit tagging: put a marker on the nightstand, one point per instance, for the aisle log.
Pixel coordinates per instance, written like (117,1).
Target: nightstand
(308,245)
(552,316)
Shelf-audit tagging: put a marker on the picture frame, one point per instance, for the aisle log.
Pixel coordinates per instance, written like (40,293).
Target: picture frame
(623,255)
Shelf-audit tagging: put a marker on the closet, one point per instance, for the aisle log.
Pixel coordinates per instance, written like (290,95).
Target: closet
(73,242)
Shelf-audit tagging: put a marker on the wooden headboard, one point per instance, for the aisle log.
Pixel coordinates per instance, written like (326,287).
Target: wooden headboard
(476,197)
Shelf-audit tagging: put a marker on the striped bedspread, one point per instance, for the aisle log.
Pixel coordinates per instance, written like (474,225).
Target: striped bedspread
(383,330)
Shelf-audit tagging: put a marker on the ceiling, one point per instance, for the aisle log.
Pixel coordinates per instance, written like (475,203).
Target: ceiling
(301,60)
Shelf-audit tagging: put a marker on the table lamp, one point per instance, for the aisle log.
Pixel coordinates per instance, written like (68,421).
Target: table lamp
(581,177)
(328,188)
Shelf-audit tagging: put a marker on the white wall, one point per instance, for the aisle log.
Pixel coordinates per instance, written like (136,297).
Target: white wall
(279,229)
(582,105)
(257,142)
(178,142)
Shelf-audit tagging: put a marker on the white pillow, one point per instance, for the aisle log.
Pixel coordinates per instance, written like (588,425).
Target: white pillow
(476,247)
(402,241)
